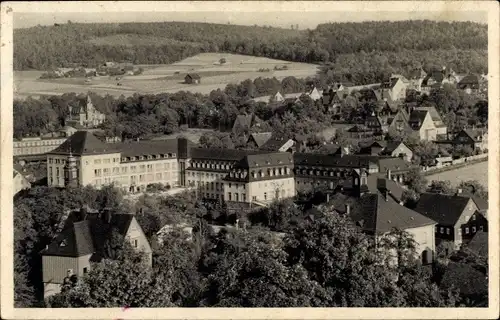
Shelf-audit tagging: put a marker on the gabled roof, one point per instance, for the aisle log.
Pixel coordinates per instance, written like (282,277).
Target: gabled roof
(470,80)
(390,83)
(418,117)
(147,147)
(265,160)
(380,215)
(444,209)
(474,134)
(261,138)
(84,143)
(246,120)
(433,113)
(274,143)
(193,76)
(87,236)
(347,161)
(416,73)
(391,146)
(395,164)
(221,154)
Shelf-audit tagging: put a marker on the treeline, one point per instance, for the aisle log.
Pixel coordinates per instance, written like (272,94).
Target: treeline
(323,261)
(75,43)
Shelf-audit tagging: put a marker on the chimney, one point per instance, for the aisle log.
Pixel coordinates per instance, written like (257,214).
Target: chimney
(389,175)
(347,209)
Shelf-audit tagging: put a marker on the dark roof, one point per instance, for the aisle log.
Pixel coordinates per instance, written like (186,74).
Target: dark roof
(84,143)
(395,164)
(261,138)
(221,154)
(469,80)
(474,134)
(349,161)
(275,143)
(390,83)
(87,236)
(147,147)
(378,182)
(437,75)
(193,76)
(418,116)
(265,160)
(416,73)
(479,244)
(392,145)
(443,208)
(246,120)
(380,215)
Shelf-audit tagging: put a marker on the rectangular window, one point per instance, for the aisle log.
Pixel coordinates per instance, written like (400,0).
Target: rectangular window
(466,230)
(97,161)
(243,197)
(50,171)
(254,198)
(158,176)
(136,243)
(141,178)
(57,172)
(142,168)
(124,169)
(106,161)
(85,270)
(229,196)
(167,166)
(133,168)
(265,195)
(106,171)
(481,228)
(441,230)
(473,217)
(447,230)
(116,170)
(236,197)
(466,219)
(473,229)
(50,160)
(150,167)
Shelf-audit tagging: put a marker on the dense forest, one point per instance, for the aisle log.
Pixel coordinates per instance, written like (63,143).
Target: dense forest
(358,52)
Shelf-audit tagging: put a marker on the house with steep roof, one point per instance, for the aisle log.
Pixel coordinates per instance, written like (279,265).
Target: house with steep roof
(457,216)
(441,128)
(314,94)
(394,87)
(388,148)
(471,83)
(332,101)
(375,206)
(84,115)
(377,124)
(421,123)
(415,78)
(475,139)
(277,97)
(258,139)
(437,78)
(20,182)
(192,78)
(399,123)
(246,122)
(83,240)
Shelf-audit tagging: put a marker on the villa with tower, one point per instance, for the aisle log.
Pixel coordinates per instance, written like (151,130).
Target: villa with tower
(84,115)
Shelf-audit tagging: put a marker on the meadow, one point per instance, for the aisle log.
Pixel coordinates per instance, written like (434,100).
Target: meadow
(166,78)
(477,171)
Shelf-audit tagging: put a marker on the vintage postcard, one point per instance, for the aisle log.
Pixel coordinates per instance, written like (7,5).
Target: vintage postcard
(250,160)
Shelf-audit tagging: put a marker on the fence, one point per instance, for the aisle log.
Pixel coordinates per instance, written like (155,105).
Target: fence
(454,164)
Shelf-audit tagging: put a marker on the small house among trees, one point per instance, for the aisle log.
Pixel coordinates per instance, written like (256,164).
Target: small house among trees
(192,78)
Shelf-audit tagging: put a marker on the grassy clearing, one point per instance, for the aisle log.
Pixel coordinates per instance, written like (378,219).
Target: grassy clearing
(168,78)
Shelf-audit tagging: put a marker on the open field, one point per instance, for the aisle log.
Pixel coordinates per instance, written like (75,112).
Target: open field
(166,78)
(477,171)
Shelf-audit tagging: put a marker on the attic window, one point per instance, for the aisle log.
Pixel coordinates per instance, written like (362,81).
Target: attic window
(63,243)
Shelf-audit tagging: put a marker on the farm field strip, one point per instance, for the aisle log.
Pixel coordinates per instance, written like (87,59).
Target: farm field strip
(163,78)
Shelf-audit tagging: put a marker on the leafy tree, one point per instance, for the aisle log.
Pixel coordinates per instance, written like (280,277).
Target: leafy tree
(474,187)
(113,283)
(440,186)
(416,181)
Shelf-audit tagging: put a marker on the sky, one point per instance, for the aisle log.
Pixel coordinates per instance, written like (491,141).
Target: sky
(276,19)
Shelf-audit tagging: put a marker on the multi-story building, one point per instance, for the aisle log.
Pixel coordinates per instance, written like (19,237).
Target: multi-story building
(82,240)
(423,126)
(130,166)
(36,145)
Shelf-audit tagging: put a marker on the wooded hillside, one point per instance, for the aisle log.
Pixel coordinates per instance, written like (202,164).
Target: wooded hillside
(347,46)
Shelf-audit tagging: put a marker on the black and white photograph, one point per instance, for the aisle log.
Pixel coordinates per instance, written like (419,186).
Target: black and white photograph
(231,155)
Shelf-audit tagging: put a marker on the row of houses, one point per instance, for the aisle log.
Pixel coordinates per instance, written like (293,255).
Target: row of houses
(368,188)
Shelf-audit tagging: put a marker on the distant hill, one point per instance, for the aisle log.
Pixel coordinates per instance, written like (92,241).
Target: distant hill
(46,47)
